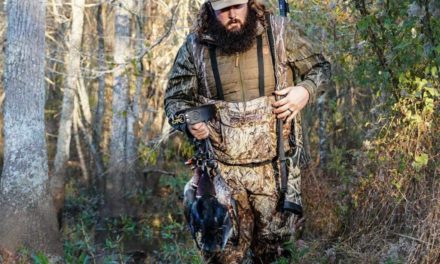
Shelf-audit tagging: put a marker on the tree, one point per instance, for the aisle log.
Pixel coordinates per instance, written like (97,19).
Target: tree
(98,123)
(27,213)
(73,61)
(120,180)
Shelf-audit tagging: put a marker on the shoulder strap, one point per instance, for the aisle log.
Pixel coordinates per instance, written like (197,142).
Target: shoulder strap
(260,65)
(214,66)
(271,46)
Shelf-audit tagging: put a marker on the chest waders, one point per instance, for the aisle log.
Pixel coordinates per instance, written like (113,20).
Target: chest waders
(289,197)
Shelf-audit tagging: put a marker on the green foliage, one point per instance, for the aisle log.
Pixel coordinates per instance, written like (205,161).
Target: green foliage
(147,154)
(145,231)
(181,148)
(173,249)
(391,260)
(295,254)
(420,161)
(80,218)
(40,258)
(164,235)
(382,113)
(25,256)
(187,149)
(177,253)
(176,183)
(338,164)
(142,197)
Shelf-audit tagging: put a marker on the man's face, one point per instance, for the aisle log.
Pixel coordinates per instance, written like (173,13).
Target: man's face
(234,28)
(233,17)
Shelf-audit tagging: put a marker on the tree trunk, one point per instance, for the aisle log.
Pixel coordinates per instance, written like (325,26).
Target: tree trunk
(27,214)
(73,61)
(134,109)
(87,137)
(100,107)
(83,100)
(120,179)
(82,162)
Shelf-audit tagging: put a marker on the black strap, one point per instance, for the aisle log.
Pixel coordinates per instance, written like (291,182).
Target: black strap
(260,64)
(271,46)
(218,83)
(198,114)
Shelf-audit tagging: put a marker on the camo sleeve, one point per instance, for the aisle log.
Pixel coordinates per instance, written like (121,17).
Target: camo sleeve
(181,88)
(305,56)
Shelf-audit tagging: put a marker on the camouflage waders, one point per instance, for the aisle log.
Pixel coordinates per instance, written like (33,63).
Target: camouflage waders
(244,142)
(263,228)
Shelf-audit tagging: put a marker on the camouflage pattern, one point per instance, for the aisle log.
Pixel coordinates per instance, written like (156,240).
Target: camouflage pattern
(293,193)
(262,227)
(191,76)
(243,131)
(243,137)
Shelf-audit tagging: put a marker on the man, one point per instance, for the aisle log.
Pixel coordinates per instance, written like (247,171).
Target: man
(237,57)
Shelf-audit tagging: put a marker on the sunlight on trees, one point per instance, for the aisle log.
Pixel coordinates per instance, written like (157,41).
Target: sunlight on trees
(371,192)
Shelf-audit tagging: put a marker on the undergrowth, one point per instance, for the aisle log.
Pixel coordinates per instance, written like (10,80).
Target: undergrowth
(158,235)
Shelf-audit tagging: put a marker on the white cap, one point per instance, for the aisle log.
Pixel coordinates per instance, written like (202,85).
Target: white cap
(220,4)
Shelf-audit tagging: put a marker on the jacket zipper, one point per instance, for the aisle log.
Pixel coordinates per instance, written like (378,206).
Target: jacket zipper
(237,65)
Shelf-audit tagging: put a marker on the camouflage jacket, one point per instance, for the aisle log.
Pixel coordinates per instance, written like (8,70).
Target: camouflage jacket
(189,77)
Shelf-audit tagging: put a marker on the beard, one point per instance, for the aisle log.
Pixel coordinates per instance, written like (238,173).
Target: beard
(233,41)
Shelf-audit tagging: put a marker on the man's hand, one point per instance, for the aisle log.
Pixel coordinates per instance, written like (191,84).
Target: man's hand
(296,98)
(199,130)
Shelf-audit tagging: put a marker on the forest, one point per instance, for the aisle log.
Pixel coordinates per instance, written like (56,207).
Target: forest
(93,173)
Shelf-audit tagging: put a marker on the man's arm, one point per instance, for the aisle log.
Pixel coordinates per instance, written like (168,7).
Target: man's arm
(181,90)
(305,56)
(313,69)
(182,87)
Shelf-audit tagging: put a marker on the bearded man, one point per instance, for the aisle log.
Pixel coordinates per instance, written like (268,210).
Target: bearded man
(237,57)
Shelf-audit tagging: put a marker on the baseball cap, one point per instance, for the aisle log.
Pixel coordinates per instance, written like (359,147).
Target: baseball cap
(220,4)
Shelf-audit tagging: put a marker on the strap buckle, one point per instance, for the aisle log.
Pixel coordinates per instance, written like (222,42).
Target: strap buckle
(179,119)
